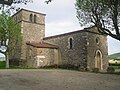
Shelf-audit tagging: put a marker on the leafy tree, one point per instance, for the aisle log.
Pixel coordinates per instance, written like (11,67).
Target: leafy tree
(9,2)
(47,1)
(10,35)
(104,14)
(11,5)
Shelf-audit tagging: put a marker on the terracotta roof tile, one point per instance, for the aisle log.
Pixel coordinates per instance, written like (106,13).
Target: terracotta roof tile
(42,45)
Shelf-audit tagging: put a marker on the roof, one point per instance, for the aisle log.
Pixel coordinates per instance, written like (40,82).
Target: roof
(28,11)
(42,45)
(69,33)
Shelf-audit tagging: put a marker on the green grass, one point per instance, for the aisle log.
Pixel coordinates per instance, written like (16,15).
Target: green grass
(2,64)
(115,73)
(20,67)
(116,67)
(114,56)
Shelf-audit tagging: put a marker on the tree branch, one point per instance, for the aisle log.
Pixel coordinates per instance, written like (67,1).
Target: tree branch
(115,14)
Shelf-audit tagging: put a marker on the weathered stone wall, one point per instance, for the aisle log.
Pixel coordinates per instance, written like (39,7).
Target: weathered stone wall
(70,57)
(96,43)
(85,47)
(31,31)
(50,56)
(47,56)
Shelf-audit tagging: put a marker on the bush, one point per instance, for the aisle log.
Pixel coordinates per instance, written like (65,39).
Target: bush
(110,69)
(2,64)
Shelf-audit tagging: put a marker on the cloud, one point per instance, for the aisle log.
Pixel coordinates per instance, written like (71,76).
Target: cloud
(60,27)
(113,46)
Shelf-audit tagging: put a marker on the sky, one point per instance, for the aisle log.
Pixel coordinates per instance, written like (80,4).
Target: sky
(61,18)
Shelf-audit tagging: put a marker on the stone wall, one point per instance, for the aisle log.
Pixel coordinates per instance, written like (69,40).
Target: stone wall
(85,47)
(76,56)
(31,31)
(41,57)
(96,43)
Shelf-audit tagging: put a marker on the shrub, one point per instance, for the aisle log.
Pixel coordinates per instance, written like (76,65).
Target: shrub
(2,64)
(110,69)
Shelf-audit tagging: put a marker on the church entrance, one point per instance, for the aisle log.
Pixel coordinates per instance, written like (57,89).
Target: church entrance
(98,60)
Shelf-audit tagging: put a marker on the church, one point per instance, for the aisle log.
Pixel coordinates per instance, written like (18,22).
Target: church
(80,48)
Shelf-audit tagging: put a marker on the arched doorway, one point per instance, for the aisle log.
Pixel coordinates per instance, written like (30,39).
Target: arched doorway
(98,60)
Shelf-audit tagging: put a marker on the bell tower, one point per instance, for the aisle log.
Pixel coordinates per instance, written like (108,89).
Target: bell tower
(32,29)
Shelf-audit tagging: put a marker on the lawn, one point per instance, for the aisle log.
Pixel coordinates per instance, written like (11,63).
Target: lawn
(2,64)
(116,73)
(115,66)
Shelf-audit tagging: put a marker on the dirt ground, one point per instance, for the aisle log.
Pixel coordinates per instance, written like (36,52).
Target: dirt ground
(56,80)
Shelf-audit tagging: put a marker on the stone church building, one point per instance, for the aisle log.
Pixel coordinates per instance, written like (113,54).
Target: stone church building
(80,48)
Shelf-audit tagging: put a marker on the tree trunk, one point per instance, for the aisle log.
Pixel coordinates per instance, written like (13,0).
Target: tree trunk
(7,60)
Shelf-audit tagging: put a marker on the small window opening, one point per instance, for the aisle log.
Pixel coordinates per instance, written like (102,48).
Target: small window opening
(97,41)
(35,18)
(71,43)
(31,16)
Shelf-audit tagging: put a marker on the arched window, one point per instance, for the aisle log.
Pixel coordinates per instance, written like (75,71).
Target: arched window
(70,43)
(98,60)
(35,18)
(31,17)
(97,40)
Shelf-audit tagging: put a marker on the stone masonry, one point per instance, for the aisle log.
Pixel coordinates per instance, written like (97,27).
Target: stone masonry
(81,49)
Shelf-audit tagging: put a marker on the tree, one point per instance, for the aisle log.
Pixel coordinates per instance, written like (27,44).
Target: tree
(104,14)
(9,32)
(47,1)
(9,2)
(11,5)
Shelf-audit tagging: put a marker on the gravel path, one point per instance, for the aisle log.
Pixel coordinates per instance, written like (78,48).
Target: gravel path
(56,80)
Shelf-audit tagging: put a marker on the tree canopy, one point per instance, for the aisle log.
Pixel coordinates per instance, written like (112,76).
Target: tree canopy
(11,5)
(104,14)
(9,32)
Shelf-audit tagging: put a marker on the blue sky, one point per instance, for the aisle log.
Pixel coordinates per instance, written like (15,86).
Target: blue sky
(61,18)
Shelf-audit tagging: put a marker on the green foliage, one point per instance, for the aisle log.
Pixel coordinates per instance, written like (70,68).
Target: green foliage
(116,67)
(9,2)
(110,69)
(10,6)
(2,64)
(10,35)
(104,14)
(20,67)
(9,31)
(114,73)
(47,1)
(114,56)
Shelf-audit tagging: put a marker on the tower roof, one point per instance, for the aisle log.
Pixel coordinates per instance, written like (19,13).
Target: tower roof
(29,11)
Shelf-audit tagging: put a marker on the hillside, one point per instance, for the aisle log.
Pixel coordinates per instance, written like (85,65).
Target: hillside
(114,56)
